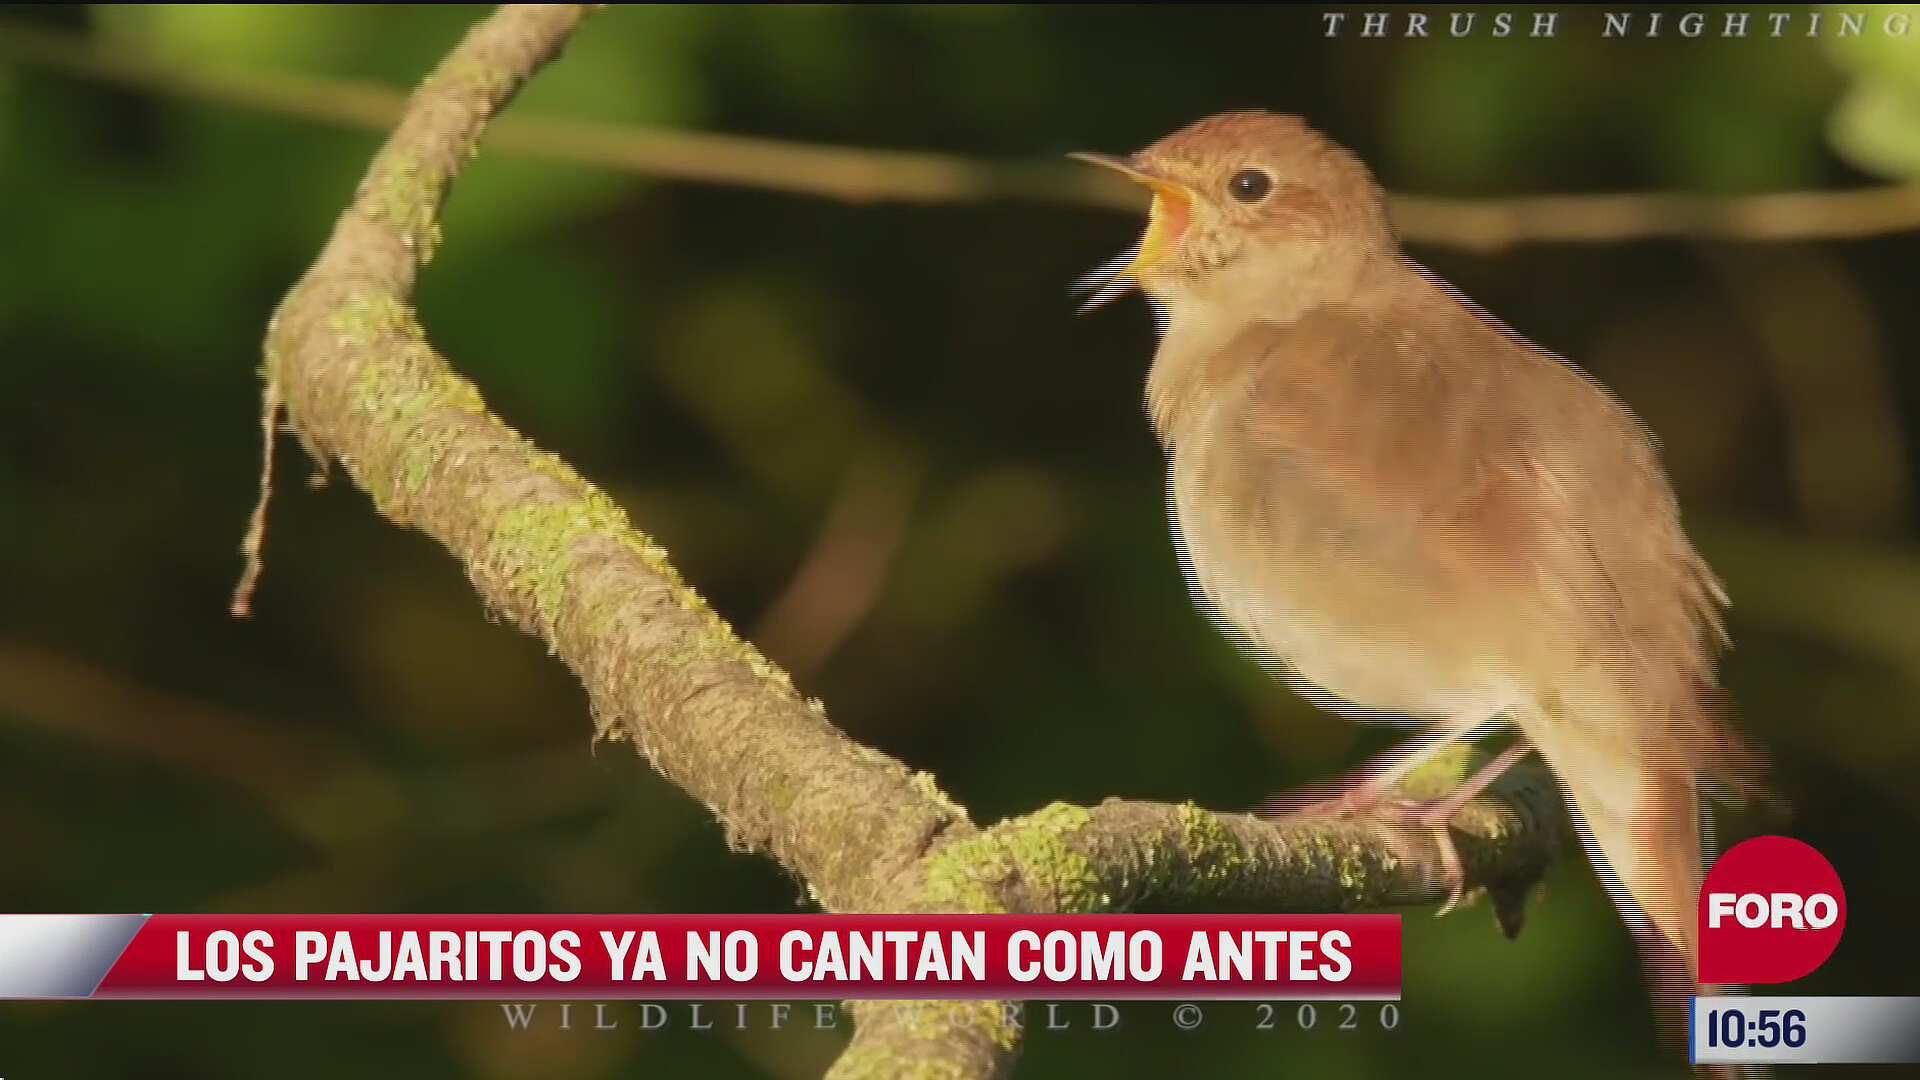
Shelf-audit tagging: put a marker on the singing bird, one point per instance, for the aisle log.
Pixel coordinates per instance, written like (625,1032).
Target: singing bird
(1420,512)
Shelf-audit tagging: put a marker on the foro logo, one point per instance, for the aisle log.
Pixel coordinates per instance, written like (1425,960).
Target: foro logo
(1777,910)
(1771,911)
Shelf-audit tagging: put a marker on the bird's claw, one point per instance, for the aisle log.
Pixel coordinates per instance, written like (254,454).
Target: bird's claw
(1452,874)
(1433,817)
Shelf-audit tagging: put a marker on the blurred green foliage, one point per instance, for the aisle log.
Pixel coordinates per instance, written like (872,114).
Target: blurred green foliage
(732,364)
(1877,124)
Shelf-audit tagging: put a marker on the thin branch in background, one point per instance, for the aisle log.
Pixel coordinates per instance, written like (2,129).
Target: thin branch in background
(858,175)
(846,174)
(840,578)
(370,835)
(1820,344)
(1495,224)
(291,772)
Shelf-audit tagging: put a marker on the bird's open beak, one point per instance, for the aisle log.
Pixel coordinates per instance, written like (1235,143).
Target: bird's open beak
(1166,220)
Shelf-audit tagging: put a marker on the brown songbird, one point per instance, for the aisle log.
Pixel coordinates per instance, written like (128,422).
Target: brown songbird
(1417,511)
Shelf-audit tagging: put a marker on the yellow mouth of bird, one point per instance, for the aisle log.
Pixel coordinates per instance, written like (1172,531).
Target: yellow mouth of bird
(1167,217)
(1166,222)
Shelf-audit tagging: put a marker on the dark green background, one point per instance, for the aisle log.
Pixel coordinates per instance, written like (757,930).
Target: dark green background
(729,364)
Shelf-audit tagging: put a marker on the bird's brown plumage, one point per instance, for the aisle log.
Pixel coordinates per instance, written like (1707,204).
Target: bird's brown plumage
(1419,511)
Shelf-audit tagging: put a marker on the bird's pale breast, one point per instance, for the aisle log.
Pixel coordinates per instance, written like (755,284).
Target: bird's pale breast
(1327,514)
(1356,607)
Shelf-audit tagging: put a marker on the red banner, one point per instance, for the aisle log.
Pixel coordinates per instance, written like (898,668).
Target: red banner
(611,957)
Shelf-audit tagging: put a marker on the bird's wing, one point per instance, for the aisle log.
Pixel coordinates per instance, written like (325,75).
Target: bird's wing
(1532,479)
(1412,426)
(1515,474)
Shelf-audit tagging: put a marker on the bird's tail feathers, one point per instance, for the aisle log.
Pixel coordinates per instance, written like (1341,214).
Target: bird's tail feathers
(1635,792)
(1728,769)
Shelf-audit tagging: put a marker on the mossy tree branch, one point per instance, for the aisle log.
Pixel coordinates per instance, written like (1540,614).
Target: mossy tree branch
(361,386)
(548,550)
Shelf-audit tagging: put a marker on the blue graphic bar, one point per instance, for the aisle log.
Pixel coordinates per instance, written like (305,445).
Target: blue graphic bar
(1805,1030)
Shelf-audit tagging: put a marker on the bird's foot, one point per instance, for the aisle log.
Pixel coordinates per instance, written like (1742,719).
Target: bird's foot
(1378,802)
(1377,796)
(1434,818)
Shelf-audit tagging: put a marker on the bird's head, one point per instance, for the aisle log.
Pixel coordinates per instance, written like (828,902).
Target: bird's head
(1246,207)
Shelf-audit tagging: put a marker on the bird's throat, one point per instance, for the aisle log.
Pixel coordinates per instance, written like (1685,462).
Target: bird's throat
(1185,370)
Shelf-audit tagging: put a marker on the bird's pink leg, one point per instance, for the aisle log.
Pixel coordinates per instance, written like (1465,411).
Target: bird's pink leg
(1366,790)
(1372,794)
(1436,815)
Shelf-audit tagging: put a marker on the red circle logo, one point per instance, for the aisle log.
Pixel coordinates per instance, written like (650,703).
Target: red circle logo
(1771,911)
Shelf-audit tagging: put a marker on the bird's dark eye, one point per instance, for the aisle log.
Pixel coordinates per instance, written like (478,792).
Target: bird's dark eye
(1250,185)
